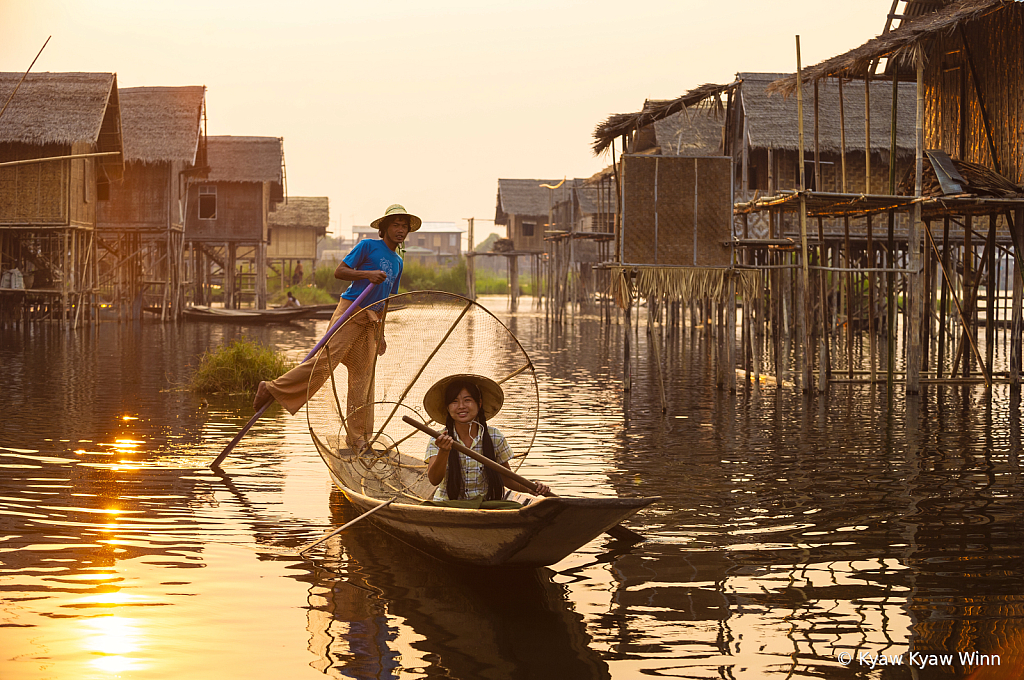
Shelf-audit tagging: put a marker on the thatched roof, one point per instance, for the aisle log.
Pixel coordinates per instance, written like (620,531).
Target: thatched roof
(620,124)
(690,133)
(900,44)
(245,159)
(64,108)
(59,108)
(302,211)
(527,197)
(161,123)
(772,118)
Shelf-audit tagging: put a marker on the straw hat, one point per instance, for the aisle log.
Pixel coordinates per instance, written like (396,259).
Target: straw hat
(396,209)
(490,392)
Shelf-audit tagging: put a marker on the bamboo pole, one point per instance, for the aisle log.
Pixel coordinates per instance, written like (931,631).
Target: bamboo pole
(847,259)
(960,311)
(968,287)
(730,335)
(1017,349)
(806,384)
(890,279)
(15,91)
(872,340)
(914,307)
(991,295)
(944,296)
(1015,332)
(652,337)
(626,331)
(471,263)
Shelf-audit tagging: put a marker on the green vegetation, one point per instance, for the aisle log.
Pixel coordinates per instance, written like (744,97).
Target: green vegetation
(416,276)
(238,367)
(319,288)
(323,278)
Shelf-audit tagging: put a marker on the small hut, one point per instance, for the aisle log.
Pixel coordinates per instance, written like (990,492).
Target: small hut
(295,229)
(60,135)
(140,220)
(227,217)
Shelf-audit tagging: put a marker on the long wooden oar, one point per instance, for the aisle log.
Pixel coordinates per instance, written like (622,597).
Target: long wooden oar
(618,532)
(347,525)
(354,307)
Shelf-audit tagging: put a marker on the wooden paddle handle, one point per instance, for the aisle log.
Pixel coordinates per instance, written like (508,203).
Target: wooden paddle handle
(458,446)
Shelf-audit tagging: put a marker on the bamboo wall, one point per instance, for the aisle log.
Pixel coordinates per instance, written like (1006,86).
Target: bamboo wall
(954,119)
(36,193)
(145,200)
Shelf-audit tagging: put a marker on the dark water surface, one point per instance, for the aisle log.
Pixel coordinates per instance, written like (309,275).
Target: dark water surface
(793,531)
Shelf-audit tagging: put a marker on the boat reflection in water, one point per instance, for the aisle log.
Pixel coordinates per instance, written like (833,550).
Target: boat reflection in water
(377,597)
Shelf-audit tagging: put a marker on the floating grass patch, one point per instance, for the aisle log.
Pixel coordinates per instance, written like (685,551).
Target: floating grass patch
(237,367)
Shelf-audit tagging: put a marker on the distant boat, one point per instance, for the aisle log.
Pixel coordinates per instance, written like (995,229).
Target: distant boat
(247,316)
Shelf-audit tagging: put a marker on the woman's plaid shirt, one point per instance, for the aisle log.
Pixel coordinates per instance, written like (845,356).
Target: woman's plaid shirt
(474,476)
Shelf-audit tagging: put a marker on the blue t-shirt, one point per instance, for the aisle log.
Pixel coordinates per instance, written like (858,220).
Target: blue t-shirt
(372,254)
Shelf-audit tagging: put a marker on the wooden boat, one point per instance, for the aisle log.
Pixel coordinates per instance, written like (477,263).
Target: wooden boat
(541,533)
(419,325)
(246,316)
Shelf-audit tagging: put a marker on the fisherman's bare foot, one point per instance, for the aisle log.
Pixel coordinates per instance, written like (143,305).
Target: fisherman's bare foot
(263,396)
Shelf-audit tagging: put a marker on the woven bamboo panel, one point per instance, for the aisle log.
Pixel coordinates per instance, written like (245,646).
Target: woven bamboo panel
(677,211)
(34,193)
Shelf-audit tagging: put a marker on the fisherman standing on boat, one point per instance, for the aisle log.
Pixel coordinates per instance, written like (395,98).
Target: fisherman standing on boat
(361,339)
(464,403)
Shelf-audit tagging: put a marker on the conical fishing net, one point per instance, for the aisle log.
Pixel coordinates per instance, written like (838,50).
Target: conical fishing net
(357,396)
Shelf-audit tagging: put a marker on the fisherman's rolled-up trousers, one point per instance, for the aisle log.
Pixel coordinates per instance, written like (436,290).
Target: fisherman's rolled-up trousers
(354,345)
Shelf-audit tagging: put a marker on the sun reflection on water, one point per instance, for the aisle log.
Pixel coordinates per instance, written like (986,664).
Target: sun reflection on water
(113,639)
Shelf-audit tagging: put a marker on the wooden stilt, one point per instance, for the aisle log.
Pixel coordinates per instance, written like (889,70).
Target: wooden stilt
(805,292)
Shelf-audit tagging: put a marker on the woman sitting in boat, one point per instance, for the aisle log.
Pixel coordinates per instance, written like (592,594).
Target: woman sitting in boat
(464,403)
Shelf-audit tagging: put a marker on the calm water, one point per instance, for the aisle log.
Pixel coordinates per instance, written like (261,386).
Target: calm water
(793,531)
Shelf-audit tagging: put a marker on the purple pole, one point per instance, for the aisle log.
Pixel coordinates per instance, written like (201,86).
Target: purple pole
(316,348)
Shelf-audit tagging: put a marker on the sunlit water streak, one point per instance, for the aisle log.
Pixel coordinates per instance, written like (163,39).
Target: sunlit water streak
(791,529)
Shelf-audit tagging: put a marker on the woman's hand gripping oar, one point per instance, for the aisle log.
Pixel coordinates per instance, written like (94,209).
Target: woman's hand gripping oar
(353,308)
(617,532)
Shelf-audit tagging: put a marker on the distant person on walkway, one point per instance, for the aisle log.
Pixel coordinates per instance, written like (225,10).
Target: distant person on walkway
(464,402)
(297,275)
(361,338)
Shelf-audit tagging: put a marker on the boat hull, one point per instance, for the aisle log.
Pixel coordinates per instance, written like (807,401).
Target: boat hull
(247,316)
(539,534)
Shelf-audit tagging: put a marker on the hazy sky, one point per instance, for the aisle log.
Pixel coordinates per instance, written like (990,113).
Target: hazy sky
(427,103)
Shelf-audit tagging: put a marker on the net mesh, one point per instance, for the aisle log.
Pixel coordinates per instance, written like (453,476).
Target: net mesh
(357,396)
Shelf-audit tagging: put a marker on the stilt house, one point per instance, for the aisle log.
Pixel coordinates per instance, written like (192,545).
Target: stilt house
(227,217)
(966,60)
(141,220)
(295,229)
(48,207)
